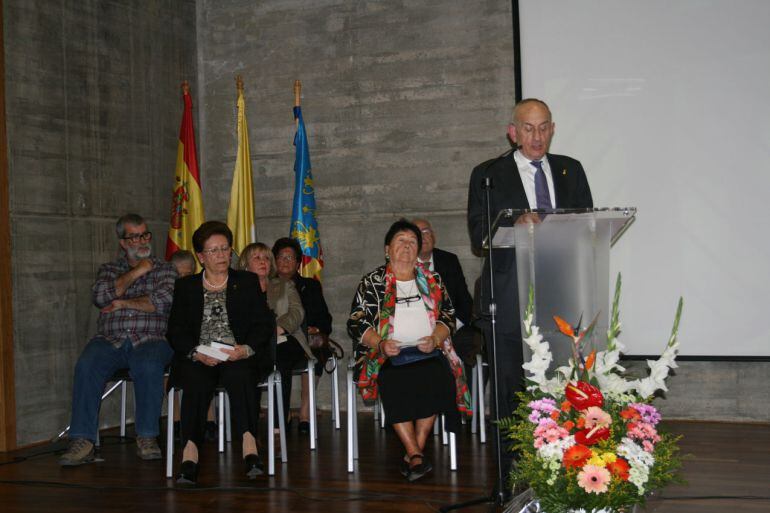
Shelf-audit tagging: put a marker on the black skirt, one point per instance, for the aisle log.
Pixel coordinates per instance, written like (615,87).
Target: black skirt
(418,390)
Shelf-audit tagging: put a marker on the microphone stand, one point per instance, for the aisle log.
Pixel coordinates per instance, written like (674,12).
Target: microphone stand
(496,497)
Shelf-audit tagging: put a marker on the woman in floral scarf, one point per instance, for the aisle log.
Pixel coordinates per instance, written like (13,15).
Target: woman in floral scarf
(402,319)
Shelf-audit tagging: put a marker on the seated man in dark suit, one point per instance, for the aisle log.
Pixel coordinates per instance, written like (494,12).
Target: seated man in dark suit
(318,320)
(448,266)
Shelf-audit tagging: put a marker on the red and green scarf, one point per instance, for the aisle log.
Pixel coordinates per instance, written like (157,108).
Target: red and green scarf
(431,294)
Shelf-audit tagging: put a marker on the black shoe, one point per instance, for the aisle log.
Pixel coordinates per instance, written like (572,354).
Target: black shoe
(253,466)
(211,432)
(418,470)
(403,467)
(304,427)
(188,473)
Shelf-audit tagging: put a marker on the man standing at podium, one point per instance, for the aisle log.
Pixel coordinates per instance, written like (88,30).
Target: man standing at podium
(526,177)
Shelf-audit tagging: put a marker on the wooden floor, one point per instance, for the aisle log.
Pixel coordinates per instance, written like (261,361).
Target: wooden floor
(726,460)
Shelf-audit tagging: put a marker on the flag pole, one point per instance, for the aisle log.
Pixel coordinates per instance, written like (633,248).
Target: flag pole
(239,84)
(297,101)
(185,87)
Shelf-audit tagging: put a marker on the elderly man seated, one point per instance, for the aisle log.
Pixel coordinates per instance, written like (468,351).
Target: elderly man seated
(134,296)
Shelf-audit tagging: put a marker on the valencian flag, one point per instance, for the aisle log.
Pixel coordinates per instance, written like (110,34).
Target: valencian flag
(240,213)
(186,199)
(304,225)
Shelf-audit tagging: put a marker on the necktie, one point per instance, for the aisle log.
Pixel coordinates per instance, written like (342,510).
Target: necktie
(542,196)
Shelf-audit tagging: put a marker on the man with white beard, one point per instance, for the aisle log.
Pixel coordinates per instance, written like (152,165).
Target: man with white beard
(134,296)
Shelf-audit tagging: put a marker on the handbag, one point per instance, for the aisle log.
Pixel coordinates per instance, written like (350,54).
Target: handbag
(324,348)
(411,355)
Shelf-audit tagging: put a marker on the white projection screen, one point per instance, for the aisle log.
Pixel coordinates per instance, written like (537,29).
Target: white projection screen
(667,105)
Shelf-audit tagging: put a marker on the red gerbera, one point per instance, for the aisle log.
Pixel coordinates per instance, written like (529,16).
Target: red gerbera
(619,468)
(630,414)
(576,456)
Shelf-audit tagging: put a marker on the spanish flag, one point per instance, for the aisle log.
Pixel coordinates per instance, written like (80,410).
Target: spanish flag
(186,199)
(240,213)
(304,225)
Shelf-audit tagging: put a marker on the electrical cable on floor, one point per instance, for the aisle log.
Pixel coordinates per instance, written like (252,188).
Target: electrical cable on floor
(304,493)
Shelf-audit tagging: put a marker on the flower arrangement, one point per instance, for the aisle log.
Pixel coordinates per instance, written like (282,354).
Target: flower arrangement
(587,438)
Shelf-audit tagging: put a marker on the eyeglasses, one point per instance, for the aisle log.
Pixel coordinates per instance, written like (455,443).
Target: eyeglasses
(136,237)
(214,251)
(407,300)
(286,258)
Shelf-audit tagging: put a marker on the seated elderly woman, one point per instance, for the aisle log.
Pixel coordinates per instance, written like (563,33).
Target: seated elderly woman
(292,351)
(226,309)
(402,314)
(318,320)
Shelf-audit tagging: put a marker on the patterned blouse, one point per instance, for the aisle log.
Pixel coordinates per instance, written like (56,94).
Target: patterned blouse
(215,326)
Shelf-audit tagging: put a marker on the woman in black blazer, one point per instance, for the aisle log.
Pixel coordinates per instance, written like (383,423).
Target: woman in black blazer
(226,306)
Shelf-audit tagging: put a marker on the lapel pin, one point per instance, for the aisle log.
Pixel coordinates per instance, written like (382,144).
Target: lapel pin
(564,172)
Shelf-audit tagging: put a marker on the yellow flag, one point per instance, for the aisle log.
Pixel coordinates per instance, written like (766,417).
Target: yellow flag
(240,213)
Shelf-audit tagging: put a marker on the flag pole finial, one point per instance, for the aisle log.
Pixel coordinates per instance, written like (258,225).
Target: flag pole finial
(239,83)
(297,92)
(185,87)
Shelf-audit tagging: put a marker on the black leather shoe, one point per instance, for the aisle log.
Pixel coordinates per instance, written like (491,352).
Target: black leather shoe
(420,469)
(188,473)
(253,466)
(304,427)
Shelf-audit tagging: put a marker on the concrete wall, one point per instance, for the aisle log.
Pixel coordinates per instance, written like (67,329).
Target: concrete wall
(401,99)
(93,113)
(705,390)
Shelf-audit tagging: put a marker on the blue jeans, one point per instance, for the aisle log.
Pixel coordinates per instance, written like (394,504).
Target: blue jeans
(98,362)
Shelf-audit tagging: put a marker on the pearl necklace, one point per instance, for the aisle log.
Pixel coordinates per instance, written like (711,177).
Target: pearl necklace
(215,287)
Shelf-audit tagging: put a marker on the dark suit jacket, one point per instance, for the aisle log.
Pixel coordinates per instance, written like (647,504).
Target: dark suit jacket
(316,312)
(448,266)
(571,190)
(250,319)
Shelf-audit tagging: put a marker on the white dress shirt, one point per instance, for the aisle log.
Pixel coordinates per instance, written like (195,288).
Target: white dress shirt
(527,172)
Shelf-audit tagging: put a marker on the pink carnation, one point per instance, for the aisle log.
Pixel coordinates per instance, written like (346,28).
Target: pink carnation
(643,431)
(548,431)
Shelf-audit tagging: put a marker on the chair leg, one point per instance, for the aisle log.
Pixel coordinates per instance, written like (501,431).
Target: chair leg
(474,399)
(444,438)
(452,452)
(336,394)
(351,419)
(228,421)
(122,409)
(481,402)
(221,417)
(313,419)
(170,435)
(281,419)
(270,425)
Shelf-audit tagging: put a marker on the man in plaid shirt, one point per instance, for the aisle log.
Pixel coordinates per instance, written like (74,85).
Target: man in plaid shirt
(134,296)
